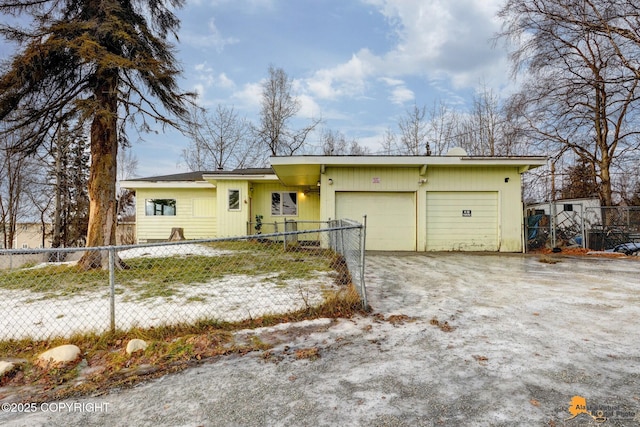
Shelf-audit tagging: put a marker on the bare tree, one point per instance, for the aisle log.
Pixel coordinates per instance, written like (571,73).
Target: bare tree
(485,119)
(357,149)
(388,142)
(335,143)
(414,132)
(219,140)
(127,168)
(579,94)
(278,107)
(442,125)
(486,129)
(17,172)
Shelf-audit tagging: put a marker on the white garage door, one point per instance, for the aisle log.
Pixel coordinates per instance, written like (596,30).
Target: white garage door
(462,221)
(391,218)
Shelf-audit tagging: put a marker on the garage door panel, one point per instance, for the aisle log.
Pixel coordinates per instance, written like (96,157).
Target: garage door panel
(464,221)
(391,217)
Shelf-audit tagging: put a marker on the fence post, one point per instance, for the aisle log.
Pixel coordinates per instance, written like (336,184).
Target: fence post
(284,238)
(112,285)
(552,222)
(363,241)
(583,229)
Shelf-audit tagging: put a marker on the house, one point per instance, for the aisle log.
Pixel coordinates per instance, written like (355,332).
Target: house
(412,203)
(30,235)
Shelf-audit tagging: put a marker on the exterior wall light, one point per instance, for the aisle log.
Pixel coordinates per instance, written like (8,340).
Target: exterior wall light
(330,181)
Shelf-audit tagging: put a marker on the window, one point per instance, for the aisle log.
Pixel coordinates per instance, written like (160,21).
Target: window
(568,207)
(284,203)
(234,200)
(160,207)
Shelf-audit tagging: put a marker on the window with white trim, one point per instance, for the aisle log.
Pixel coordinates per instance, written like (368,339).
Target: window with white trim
(233,200)
(284,203)
(160,207)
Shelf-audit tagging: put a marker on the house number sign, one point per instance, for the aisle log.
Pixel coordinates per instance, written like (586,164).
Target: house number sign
(466,212)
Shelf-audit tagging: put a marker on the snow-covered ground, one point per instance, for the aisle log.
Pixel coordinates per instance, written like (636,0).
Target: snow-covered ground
(230,298)
(526,338)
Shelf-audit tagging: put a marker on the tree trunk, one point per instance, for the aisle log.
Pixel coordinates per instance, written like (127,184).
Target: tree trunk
(57,219)
(606,198)
(102,179)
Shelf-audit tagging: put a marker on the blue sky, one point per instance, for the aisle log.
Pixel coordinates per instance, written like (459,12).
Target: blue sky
(358,64)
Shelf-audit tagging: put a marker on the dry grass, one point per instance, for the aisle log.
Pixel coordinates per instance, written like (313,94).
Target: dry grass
(172,348)
(311,353)
(444,326)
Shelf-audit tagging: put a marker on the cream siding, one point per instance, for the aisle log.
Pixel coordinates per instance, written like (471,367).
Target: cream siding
(232,222)
(492,179)
(433,178)
(391,217)
(204,207)
(153,228)
(462,221)
(383,179)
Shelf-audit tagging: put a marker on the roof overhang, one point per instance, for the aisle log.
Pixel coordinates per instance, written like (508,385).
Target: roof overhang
(133,184)
(213,178)
(306,170)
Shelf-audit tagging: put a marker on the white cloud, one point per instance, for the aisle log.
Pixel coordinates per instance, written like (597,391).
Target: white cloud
(213,39)
(225,82)
(308,107)
(442,36)
(435,37)
(348,79)
(400,93)
(249,96)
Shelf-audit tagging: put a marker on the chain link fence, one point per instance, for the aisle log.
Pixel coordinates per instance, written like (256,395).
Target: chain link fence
(46,294)
(614,228)
(618,229)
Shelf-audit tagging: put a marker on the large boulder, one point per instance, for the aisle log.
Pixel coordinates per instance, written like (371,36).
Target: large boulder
(60,355)
(136,345)
(6,367)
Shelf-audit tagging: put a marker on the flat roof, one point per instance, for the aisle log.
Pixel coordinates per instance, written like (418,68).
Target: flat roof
(306,170)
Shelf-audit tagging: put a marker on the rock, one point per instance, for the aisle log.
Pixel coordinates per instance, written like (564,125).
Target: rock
(59,355)
(6,367)
(135,345)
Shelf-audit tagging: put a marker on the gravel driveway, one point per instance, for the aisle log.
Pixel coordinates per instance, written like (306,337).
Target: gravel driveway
(455,339)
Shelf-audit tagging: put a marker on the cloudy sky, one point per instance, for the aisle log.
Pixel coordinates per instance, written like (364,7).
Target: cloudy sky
(358,64)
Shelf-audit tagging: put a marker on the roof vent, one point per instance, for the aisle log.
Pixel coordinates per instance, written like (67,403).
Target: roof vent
(456,151)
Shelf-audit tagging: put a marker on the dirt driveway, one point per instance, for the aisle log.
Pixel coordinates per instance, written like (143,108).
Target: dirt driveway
(455,339)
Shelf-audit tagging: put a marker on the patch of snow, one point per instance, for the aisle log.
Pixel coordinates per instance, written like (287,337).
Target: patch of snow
(171,250)
(230,298)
